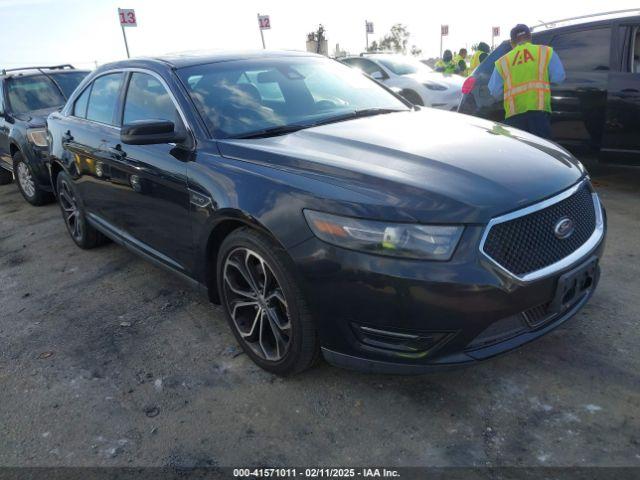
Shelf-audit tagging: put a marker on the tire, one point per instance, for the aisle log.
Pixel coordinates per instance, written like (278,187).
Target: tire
(27,184)
(261,312)
(73,214)
(6,177)
(412,97)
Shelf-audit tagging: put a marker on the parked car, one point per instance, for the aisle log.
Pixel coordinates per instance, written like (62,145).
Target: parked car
(598,106)
(27,96)
(411,78)
(325,213)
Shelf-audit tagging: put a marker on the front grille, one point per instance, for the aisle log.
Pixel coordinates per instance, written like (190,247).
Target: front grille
(528,243)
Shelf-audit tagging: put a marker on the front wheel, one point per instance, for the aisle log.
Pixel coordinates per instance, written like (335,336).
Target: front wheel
(27,185)
(264,305)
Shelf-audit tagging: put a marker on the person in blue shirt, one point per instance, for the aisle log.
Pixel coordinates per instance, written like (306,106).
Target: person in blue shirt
(534,120)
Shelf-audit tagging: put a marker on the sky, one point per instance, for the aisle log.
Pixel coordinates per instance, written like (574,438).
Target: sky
(86,32)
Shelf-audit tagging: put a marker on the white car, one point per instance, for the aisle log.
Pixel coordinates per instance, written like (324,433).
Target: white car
(411,78)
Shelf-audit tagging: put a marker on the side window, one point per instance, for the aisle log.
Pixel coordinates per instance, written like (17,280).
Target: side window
(368,67)
(103,100)
(147,99)
(584,51)
(1,96)
(80,105)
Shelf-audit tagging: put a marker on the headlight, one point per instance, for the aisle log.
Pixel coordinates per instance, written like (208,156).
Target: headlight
(435,86)
(408,240)
(38,136)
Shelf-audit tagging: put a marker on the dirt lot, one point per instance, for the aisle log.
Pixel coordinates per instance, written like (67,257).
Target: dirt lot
(108,360)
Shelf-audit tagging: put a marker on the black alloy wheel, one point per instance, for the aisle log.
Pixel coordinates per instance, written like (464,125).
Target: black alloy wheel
(263,303)
(83,234)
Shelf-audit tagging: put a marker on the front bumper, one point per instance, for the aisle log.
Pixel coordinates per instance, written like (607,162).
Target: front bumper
(471,310)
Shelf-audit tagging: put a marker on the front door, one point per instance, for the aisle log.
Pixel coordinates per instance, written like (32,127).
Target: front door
(149,182)
(622,127)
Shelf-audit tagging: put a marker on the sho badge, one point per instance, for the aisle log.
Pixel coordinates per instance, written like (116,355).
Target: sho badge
(564,228)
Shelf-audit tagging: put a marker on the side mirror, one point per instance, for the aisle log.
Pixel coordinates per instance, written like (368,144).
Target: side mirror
(150,132)
(377,75)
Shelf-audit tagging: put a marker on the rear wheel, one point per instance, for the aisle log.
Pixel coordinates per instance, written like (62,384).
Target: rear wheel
(6,177)
(263,304)
(83,234)
(27,185)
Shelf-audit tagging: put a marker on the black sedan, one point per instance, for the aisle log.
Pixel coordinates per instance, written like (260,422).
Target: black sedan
(325,213)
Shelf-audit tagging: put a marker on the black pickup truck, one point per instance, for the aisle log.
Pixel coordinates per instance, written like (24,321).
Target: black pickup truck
(27,96)
(598,106)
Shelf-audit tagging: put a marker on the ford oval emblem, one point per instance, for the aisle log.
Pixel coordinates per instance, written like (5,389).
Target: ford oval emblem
(564,228)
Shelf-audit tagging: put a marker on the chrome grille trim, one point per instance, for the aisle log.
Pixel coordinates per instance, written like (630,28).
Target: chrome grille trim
(563,263)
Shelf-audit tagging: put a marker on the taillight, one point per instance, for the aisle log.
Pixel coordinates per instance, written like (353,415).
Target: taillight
(468,85)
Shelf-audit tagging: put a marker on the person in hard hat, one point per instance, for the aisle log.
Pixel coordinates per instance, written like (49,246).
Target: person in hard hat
(523,78)
(481,54)
(461,62)
(445,64)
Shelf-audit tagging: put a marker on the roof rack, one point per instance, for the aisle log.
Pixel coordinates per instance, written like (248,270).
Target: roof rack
(49,67)
(554,23)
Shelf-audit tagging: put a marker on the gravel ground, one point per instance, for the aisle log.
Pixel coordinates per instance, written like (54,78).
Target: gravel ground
(106,360)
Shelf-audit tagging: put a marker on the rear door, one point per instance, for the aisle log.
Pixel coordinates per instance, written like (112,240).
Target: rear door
(91,129)
(622,127)
(579,103)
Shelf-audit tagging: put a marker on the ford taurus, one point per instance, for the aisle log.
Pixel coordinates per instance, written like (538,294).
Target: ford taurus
(326,214)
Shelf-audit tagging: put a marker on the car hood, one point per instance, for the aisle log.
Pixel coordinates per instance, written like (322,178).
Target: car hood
(37,118)
(427,165)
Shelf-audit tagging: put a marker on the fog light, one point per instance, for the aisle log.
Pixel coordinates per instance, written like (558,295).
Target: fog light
(400,343)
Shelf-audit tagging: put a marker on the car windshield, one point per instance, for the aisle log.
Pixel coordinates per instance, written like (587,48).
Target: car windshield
(68,81)
(31,93)
(404,65)
(239,98)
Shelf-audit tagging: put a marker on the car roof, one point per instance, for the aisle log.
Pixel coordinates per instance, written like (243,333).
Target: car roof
(583,23)
(187,59)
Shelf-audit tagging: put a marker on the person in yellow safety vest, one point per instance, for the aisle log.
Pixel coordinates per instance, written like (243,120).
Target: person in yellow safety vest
(523,78)
(461,62)
(481,53)
(445,64)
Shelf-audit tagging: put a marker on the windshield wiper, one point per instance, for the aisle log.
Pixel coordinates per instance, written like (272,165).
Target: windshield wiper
(272,131)
(284,129)
(365,112)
